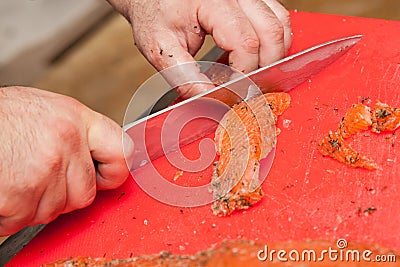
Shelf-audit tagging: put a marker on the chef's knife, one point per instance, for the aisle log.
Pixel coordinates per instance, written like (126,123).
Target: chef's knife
(284,74)
(152,140)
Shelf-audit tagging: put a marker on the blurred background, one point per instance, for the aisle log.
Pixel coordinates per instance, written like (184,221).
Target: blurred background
(85,50)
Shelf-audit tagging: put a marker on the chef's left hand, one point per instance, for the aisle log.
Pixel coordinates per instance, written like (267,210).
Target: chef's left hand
(171,32)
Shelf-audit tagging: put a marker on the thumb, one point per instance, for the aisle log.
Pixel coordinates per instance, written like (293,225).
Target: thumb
(106,148)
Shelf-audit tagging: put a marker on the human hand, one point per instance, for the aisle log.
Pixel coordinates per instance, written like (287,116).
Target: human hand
(170,32)
(48,145)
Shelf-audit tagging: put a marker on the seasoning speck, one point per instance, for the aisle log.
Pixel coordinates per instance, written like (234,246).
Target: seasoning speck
(121,195)
(370,210)
(146,222)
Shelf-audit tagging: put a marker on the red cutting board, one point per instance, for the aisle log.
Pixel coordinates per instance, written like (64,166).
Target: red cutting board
(307,196)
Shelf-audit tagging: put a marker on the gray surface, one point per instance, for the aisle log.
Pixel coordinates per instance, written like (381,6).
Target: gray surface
(33,32)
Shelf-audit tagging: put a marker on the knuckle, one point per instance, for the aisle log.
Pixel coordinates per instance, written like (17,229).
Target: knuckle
(251,44)
(18,189)
(49,164)
(285,18)
(66,140)
(156,52)
(48,214)
(87,198)
(67,130)
(72,102)
(53,163)
(89,177)
(84,189)
(276,32)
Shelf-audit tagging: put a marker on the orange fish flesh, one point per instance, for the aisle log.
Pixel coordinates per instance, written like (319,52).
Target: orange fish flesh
(238,253)
(333,145)
(245,135)
(385,118)
(359,118)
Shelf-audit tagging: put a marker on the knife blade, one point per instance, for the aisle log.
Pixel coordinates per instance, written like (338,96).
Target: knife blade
(327,52)
(151,138)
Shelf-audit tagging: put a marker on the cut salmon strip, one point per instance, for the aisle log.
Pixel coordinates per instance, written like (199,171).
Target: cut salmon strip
(278,102)
(357,119)
(333,145)
(385,118)
(246,135)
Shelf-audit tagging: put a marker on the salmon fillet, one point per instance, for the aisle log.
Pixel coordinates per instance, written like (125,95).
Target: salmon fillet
(245,135)
(278,103)
(333,145)
(240,253)
(359,118)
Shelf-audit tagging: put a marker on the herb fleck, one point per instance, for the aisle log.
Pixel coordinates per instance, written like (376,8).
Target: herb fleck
(334,143)
(382,113)
(121,195)
(364,99)
(370,210)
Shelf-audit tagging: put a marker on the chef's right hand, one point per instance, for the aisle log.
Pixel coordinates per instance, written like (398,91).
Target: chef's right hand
(49,147)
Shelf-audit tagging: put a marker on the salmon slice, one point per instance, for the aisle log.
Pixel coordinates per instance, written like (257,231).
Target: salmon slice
(245,135)
(278,102)
(238,253)
(333,145)
(357,119)
(385,118)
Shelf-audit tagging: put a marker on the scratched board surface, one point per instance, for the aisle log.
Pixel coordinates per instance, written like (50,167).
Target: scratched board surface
(307,196)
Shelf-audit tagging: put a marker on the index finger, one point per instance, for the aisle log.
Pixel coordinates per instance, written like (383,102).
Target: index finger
(232,32)
(272,30)
(171,57)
